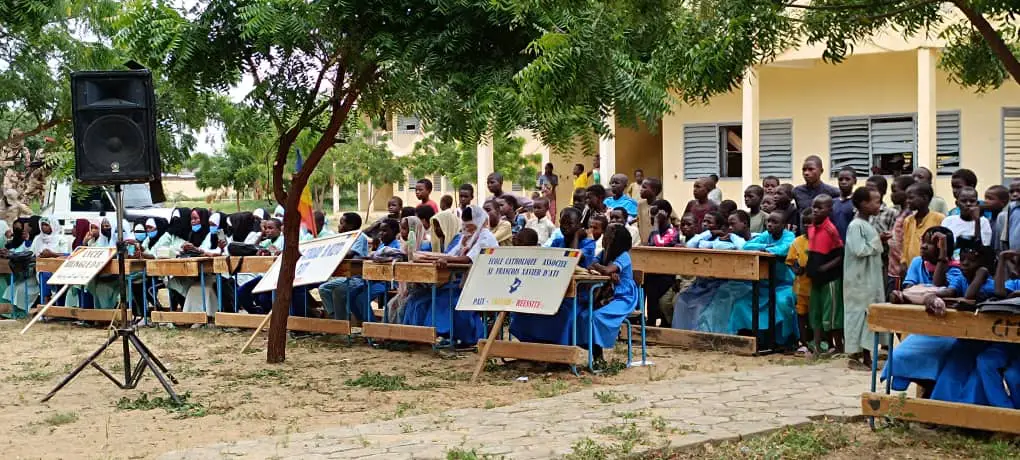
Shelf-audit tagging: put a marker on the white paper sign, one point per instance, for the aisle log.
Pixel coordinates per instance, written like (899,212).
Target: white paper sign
(319,259)
(83,265)
(519,280)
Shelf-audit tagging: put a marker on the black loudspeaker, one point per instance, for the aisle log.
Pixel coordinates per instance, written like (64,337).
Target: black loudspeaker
(114,116)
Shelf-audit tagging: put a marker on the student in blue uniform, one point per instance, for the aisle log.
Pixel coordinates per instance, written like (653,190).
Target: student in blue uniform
(361,306)
(462,249)
(558,329)
(603,326)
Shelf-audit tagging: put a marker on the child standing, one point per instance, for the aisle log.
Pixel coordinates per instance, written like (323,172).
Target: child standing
(862,269)
(656,285)
(603,324)
(825,268)
(596,227)
(752,199)
(918,198)
(843,207)
(700,205)
(899,198)
(797,259)
(501,228)
(769,184)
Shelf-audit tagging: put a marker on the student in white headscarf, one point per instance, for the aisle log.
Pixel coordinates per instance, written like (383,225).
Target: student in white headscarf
(462,249)
(25,290)
(278,212)
(49,243)
(5,235)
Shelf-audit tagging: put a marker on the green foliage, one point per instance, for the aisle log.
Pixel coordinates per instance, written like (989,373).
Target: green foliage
(184,409)
(61,418)
(457,160)
(379,381)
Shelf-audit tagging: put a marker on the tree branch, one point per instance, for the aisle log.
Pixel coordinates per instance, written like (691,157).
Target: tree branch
(32,132)
(269,106)
(992,37)
(853,6)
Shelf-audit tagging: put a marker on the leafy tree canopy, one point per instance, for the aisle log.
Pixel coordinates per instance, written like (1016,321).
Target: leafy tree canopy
(457,160)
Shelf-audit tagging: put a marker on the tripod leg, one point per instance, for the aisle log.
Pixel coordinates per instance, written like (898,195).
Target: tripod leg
(157,362)
(137,376)
(80,367)
(155,371)
(122,386)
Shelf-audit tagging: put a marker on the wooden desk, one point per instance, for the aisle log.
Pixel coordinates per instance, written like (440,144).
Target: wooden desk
(247,264)
(191,266)
(406,272)
(912,319)
(50,265)
(750,266)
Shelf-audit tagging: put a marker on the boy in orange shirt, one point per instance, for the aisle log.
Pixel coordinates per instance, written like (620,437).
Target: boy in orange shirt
(797,259)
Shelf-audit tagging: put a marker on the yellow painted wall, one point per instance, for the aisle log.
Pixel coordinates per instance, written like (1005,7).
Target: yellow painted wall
(872,84)
(638,149)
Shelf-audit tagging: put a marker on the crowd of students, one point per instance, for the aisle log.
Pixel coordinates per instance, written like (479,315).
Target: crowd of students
(824,237)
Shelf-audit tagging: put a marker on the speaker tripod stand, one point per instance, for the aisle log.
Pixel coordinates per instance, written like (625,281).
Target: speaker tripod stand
(127,333)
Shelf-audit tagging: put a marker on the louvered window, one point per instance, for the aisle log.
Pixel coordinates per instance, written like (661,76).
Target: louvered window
(775,150)
(701,150)
(408,124)
(516,187)
(1010,144)
(947,141)
(437,182)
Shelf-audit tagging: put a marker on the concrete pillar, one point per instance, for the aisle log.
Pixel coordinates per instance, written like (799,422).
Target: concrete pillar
(749,122)
(485,167)
(926,147)
(607,153)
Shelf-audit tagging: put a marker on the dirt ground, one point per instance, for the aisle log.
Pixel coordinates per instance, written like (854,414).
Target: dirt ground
(324,382)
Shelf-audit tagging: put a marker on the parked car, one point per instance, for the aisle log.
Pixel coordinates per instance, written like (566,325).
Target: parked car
(97,202)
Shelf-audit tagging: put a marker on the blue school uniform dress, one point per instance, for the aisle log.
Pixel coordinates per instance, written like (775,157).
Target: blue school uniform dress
(738,295)
(334,291)
(688,306)
(603,326)
(467,325)
(361,306)
(556,329)
(978,372)
(921,357)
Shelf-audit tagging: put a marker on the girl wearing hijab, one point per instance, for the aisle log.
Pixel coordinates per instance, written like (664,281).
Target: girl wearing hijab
(462,249)
(25,290)
(5,235)
(189,287)
(398,302)
(81,232)
(557,329)
(445,226)
(211,243)
(49,243)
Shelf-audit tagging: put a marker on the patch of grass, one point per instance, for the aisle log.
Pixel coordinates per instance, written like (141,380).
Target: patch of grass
(612,397)
(554,388)
(184,409)
(630,415)
(31,376)
(379,381)
(613,367)
(586,449)
(628,435)
(458,453)
(403,408)
(60,418)
(489,404)
(264,374)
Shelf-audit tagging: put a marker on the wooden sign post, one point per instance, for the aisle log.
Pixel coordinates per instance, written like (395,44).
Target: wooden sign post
(516,280)
(83,265)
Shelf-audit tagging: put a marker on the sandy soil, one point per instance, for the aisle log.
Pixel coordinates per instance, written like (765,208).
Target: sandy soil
(233,396)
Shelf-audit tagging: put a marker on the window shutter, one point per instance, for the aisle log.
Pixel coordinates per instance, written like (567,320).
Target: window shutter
(408,124)
(437,182)
(947,142)
(1010,144)
(849,144)
(701,151)
(516,187)
(775,150)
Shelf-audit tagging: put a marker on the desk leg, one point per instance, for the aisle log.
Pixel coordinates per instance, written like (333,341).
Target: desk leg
(145,298)
(219,293)
(772,308)
(368,303)
(201,279)
(236,287)
(432,312)
(573,332)
(755,310)
(453,340)
(888,363)
(874,375)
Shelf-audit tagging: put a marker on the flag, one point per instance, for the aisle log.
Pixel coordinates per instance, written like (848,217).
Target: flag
(305,205)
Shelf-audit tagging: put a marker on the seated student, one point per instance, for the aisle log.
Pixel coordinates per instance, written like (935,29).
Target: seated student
(663,234)
(270,243)
(393,210)
(424,214)
(334,292)
(596,227)
(25,290)
(734,297)
(49,243)
(752,199)
(396,304)
(602,327)
(443,227)
(467,326)
(919,358)
(727,207)
(526,238)
(540,222)
(507,208)
(740,224)
(688,306)
(983,372)
(445,202)
(388,245)
(968,223)
(321,225)
(501,228)
(620,216)
(557,329)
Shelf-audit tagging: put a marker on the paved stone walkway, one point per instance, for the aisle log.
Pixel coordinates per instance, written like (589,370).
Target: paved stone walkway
(681,412)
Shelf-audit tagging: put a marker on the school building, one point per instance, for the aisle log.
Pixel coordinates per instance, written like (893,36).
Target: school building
(887,108)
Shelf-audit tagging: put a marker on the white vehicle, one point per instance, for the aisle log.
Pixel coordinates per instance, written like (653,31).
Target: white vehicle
(98,202)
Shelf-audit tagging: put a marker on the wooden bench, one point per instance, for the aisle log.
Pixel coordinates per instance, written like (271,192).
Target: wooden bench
(407,272)
(190,267)
(51,264)
(750,266)
(912,319)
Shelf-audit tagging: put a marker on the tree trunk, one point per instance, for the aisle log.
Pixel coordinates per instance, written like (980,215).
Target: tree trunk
(277,350)
(237,199)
